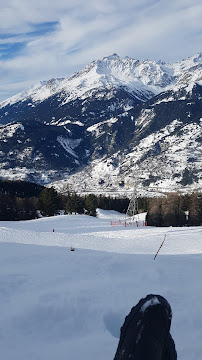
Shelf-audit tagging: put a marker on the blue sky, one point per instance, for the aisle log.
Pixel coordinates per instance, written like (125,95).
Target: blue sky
(44,39)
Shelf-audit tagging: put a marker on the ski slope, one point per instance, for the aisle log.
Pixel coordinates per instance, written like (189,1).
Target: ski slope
(62,304)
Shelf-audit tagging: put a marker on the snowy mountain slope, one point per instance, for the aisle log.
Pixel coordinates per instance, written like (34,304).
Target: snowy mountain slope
(180,104)
(42,153)
(35,149)
(56,302)
(140,77)
(107,114)
(110,85)
(56,111)
(159,164)
(163,151)
(110,72)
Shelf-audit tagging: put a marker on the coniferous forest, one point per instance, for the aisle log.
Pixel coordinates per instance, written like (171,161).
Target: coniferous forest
(20,200)
(175,210)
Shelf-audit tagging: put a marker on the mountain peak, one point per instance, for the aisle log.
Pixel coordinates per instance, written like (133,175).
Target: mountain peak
(198,57)
(138,77)
(111,57)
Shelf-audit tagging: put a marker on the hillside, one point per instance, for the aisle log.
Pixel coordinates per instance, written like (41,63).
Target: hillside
(56,302)
(115,119)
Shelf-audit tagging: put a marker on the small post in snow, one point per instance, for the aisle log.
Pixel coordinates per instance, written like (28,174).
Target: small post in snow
(160,247)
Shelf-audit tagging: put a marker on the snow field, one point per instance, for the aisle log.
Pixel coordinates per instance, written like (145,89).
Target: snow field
(56,303)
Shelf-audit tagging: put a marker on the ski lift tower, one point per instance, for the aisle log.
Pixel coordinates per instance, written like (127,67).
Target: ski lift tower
(133,204)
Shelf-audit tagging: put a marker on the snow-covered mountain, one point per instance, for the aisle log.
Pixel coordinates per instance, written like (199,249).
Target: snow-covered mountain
(140,77)
(113,120)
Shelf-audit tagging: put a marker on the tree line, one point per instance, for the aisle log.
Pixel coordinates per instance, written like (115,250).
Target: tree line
(175,210)
(49,201)
(20,200)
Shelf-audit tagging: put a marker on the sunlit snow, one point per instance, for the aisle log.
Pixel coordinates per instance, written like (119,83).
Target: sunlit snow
(143,77)
(58,303)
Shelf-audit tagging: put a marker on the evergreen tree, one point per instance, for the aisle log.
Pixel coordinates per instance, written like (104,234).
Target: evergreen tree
(48,202)
(75,204)
(91,204)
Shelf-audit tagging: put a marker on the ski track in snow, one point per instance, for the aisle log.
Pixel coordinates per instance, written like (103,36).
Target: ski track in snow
(56,303)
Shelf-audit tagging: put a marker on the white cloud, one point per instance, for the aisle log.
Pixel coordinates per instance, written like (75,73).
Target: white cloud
(90,29)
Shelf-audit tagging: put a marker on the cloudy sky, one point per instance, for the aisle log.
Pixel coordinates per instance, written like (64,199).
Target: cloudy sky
(42,39)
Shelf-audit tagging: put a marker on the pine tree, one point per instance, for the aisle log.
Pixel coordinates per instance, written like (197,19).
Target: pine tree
(48,202)
(75,204)
(91,204)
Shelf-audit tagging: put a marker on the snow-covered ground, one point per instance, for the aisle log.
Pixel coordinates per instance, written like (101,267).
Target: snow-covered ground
(62,304)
